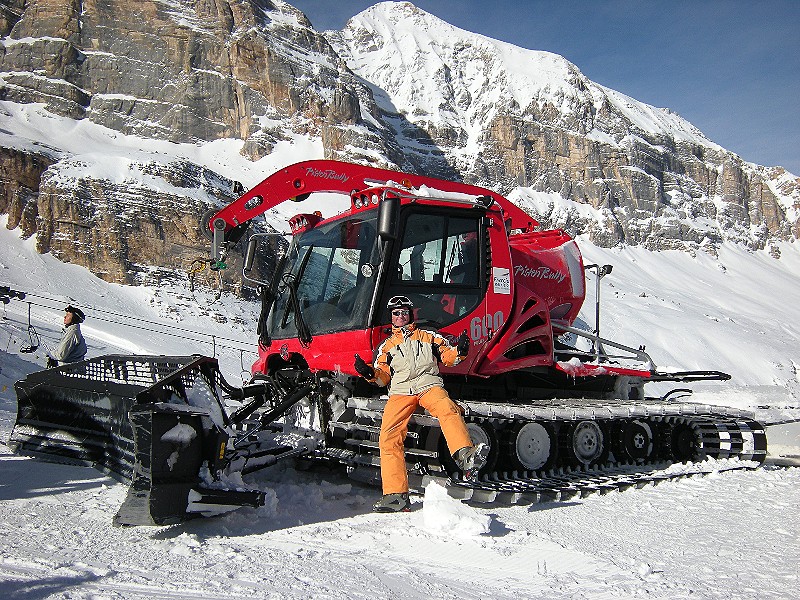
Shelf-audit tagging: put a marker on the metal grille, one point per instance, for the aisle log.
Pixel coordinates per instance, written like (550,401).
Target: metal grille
(139,370)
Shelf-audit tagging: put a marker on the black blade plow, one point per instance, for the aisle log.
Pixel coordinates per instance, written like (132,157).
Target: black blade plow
(155,422)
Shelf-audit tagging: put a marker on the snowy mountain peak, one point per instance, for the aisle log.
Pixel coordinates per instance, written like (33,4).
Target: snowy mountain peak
(507,117)
(434,71)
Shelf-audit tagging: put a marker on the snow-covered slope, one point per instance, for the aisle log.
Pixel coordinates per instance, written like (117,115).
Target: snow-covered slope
(102,153)
(725,535)
(450,103)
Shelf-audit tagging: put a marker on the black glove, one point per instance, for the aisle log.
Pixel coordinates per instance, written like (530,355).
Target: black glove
(463,344)
(363,368)
(51,363)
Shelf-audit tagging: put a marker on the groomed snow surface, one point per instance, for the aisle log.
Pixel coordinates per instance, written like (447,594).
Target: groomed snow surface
(732,534)
(727,535)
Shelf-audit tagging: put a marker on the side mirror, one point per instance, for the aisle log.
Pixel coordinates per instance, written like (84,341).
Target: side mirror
(253,244)
(387,218)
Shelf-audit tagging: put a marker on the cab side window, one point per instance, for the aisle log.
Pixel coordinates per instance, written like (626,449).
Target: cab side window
(438,266)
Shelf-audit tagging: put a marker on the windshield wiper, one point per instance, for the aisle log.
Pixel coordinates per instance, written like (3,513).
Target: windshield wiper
(293,283)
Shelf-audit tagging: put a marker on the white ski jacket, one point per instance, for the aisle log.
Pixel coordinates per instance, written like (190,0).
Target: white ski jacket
(72,347)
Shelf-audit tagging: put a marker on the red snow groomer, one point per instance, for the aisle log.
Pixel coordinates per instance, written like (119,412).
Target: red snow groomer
(563,411)
(547,397)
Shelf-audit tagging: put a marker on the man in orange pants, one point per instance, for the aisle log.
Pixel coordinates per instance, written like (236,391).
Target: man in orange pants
(408,362)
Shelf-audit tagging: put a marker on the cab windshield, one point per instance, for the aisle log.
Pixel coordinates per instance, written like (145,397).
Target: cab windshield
(323,266)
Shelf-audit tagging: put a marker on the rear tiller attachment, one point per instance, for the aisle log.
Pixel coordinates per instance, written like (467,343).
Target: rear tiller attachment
(156,422)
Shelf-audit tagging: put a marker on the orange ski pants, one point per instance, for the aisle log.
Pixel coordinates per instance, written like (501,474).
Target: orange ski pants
(394,428)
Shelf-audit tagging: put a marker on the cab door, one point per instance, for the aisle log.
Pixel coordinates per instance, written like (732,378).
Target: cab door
(443,264)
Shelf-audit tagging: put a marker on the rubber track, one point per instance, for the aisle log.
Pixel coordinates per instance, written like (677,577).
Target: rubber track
(719,432)
(561,487)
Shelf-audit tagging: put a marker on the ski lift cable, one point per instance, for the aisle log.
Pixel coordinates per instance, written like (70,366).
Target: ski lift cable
(126,316)
(96,309)
(214,341)
(200,337)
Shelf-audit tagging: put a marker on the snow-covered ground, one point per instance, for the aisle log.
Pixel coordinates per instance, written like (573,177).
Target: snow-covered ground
(732,534)
(727,536)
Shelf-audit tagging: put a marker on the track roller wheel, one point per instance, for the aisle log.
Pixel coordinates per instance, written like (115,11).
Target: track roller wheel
(587,443)
(686,444)
(484,433)
(532,446)
(637,440)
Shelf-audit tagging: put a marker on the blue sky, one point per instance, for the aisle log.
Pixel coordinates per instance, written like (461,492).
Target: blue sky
(731,67)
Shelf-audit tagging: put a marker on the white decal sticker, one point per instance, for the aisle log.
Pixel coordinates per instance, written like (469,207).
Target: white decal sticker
(539,273)
(326,174)
(502,280)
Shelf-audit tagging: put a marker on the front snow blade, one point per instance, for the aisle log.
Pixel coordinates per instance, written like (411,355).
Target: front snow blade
(154,421)
(174,444)
(78,413)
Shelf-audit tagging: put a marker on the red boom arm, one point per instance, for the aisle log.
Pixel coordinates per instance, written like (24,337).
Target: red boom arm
(296,181)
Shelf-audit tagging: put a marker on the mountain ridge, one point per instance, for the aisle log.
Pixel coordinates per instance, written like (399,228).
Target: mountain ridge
(604,148)
(197,72)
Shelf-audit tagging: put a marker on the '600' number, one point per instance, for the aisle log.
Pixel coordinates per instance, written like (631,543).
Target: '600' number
(484,327)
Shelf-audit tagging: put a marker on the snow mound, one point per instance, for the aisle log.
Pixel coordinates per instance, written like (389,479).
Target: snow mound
(444,515)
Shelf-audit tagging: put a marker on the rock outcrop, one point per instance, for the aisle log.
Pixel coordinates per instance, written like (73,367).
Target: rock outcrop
(448,105)
(119,229)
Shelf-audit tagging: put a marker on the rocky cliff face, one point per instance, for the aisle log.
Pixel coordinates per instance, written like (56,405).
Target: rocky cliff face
(121,221)
(452,104)
(507,117)
(115,229)
(181,70)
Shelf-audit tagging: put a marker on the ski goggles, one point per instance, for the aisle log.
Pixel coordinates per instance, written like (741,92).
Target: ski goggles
(399,302)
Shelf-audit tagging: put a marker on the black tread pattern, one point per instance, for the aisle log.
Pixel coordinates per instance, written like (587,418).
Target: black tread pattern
(706,431)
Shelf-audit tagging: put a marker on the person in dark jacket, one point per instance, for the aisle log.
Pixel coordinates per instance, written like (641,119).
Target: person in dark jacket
(408,363)
(72,346)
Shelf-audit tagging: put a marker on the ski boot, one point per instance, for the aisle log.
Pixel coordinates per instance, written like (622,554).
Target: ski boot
(471,459)
(392,503)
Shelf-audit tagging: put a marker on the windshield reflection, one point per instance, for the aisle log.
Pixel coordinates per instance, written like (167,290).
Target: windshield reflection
(324,268)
